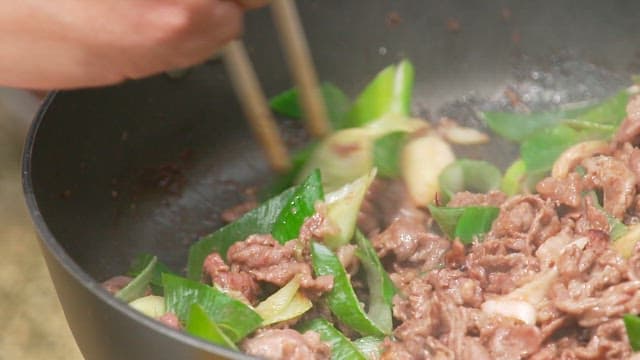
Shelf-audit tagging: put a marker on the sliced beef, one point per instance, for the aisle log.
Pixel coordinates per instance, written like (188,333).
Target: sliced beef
(473,349)
(408,240)
(633,263)
(234,213)
(593,284)
(608,341)
(239,281)
(501,265)
(526,216)
(316,227)
(171,320)
(566,191)
(416,302)
(383,203)
(416,349)
(592,311)
(630,128)
(267,260)
(591,218)
(461,289)
(116,283)
(617,181)
(287,344)
(465,198)
(629,155)
(514,342)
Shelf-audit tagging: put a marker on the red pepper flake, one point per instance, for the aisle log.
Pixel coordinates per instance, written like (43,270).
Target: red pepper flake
(393,19)
(453,25)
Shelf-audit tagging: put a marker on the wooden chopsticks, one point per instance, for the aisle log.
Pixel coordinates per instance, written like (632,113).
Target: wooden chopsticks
(254,105)
(252,98)
(298,56)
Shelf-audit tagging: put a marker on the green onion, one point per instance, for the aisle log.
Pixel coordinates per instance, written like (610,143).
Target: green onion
(284,181)
(232,316)
(617,228)
(137,287)
(141,262)
(388,94)
(300,206)
(285,304)
(518,127)
(341,347)
(611,111)
(343,207)
(632,324)
(474,222)
(256,221)
(469,175)
(287,103)
(602,118)
(626,243)
(381,289)
(446,218)
(152,305)
(545,136)
(465,223)
(370,346)
(342,299)
(513,178)
(201,325)
(540,151)
(386,153)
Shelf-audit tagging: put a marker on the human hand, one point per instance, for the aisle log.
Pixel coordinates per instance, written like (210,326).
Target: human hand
(79,43)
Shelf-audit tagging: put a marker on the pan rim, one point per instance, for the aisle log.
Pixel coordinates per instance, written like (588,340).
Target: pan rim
(48,240)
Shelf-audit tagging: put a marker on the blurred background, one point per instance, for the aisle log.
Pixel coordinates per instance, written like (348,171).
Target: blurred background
(32,323)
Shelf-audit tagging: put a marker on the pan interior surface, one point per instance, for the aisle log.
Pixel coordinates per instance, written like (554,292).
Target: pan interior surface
(148,166)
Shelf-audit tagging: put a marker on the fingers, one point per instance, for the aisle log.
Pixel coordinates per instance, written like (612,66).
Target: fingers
(252,4)
(185,33)
(79,43)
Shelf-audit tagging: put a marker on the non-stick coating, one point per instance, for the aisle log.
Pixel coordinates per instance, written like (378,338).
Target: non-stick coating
(147,166)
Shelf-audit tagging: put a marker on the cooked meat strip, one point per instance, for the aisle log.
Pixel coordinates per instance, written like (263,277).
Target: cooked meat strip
(465,198)
(116,283)
(384,202)
(287,344)
(316,227)
(514,342)
(633,264)
(630,127)
(591,218)
(234,213)
(526,216)
(498,268)
(171,320)
(408,240)
(267,260)
(629,155)
(617,181)
(567,191)
(608,341)
(239,281)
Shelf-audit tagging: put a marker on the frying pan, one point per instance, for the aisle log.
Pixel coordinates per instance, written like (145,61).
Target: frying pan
(148,165)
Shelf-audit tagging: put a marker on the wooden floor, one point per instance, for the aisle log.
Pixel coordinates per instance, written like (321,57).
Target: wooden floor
(32,323)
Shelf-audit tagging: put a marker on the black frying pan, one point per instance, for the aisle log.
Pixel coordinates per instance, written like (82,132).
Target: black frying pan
(147,166)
